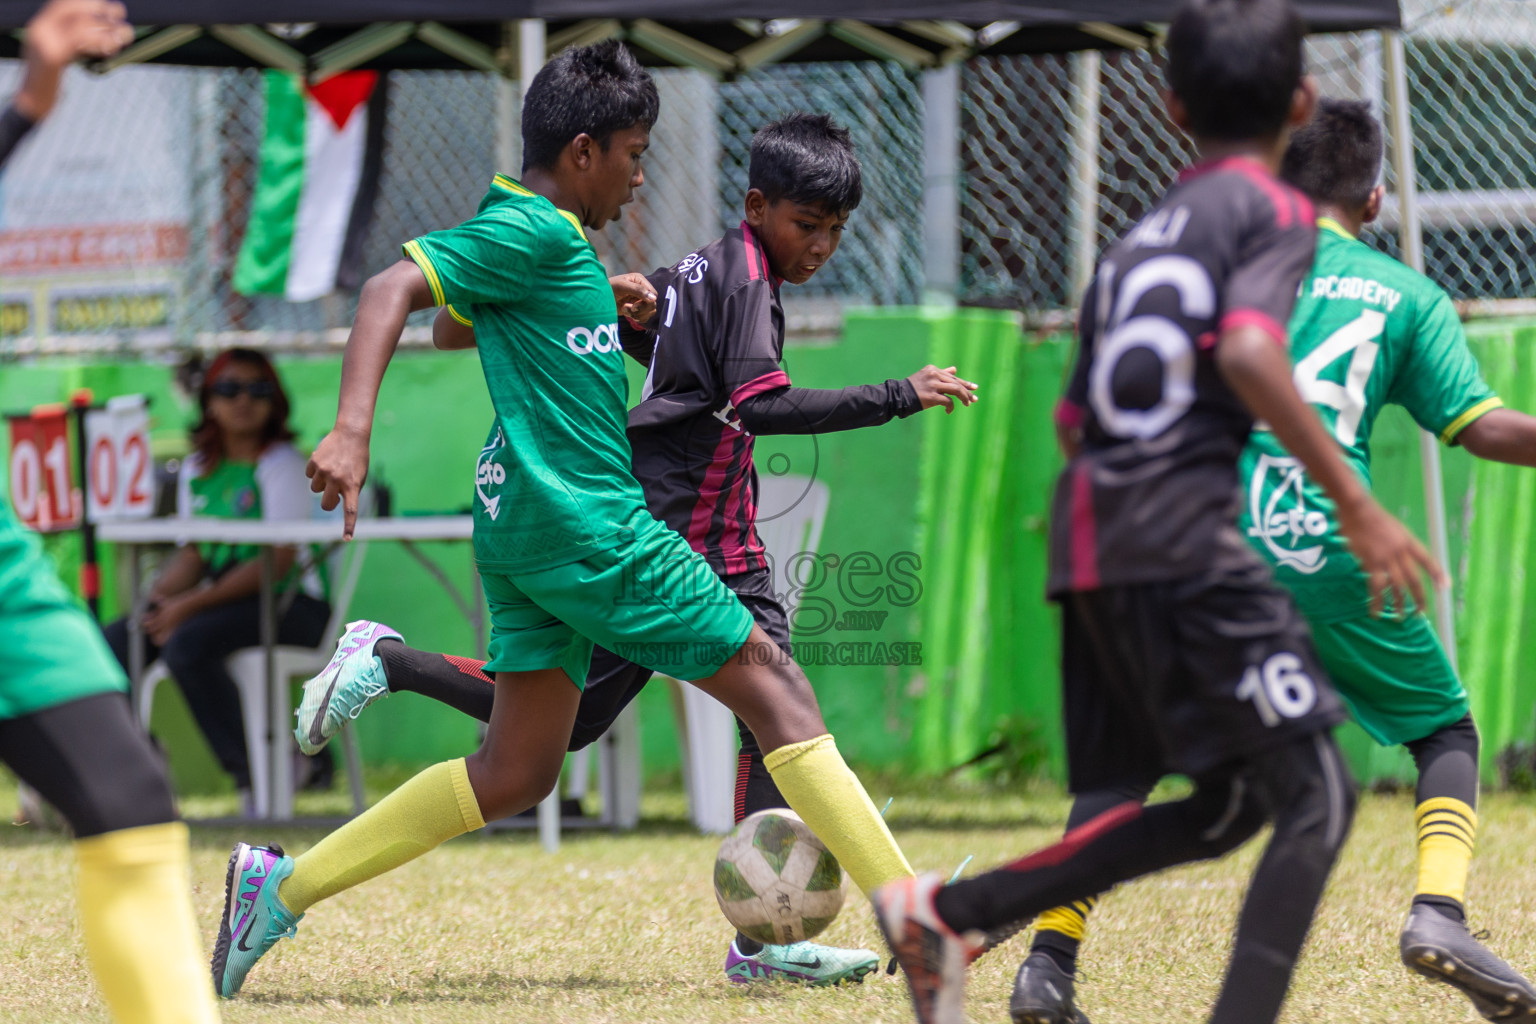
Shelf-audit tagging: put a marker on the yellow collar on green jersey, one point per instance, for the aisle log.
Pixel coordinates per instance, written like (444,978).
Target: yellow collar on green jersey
(516,188)
(1329,224)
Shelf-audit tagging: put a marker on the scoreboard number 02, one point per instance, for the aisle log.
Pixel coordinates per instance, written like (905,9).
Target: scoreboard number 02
(118,471)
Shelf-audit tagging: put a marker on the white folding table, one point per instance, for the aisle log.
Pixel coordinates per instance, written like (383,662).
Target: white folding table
(407,531)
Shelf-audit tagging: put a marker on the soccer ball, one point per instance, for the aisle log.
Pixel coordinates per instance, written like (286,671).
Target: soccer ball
(775,881)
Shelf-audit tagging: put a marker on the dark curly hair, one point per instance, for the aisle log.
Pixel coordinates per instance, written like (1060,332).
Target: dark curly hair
(207,437)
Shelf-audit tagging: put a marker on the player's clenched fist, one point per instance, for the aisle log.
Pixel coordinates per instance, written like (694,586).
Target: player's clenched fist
(942,387)
(337,471)
(634,296)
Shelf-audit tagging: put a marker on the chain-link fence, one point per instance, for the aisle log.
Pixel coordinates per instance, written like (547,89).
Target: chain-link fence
(1471,71)
(120,223)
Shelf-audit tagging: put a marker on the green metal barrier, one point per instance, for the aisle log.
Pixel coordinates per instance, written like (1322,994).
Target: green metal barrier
(923,622)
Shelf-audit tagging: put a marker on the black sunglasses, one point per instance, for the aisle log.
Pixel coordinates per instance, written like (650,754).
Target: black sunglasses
(233,388)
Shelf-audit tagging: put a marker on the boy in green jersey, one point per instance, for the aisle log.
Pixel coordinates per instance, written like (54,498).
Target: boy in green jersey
(66,728)
(1367,332)
(568,553)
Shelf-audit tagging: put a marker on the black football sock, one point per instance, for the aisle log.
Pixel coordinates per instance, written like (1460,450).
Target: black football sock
(456,682)
(1116,846)
(1059,932)
(755,788)
(755,791)
(1062,949)
(1122,841)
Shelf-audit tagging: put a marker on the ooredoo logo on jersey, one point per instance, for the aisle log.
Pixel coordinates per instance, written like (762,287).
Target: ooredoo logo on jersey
(585,340)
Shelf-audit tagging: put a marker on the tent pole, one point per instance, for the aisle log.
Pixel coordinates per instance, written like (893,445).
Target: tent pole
(530,49)
(524,40)
(1411,236)
(507,113)
(941,185)
(1086,79)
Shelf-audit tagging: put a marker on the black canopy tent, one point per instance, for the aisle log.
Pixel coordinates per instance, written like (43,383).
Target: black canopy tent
(724,37)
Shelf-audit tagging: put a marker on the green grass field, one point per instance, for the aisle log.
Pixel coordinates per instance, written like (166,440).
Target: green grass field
(624,927)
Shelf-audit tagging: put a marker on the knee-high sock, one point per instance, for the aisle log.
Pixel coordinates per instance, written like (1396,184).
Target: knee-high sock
(429,810)
(1069,921)
(458,682)
(755,790)
(1447,836)
(1446,816)
(820,788)
(136,912)
(1121,843)
(1061,930)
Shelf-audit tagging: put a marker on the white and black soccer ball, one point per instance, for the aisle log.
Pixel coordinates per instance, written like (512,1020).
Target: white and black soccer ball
(775,880)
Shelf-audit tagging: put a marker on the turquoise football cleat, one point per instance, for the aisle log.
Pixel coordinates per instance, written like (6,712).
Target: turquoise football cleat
(805,962)
(350,681)
(254,915)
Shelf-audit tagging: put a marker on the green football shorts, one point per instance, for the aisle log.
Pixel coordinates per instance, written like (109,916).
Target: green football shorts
(651,600)
(53,652)
(1394,676)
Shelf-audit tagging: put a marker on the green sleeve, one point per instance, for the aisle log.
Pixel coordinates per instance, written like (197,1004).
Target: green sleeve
(488,258)
(1441,385)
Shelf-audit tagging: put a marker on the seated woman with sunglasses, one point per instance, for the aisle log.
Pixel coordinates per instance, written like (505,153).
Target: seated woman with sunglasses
(203,606)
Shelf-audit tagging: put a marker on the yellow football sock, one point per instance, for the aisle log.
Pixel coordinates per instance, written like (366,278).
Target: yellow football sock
(831,800)
(1070,920)
(136,911)
(1447,834)
(429,810)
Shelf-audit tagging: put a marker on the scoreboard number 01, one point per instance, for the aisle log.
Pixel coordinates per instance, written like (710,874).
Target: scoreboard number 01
(42,488)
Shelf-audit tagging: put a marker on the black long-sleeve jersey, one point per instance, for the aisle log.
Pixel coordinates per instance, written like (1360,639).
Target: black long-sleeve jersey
(13,128)
(715,381)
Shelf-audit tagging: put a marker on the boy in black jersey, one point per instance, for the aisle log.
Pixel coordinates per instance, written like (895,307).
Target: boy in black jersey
(713,340)
(1179,652)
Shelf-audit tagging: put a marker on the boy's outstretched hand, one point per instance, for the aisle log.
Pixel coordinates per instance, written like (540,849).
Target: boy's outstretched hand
(941,387)
(66,30)
(634,296)
(60,34)
(1393,559)
(337,471)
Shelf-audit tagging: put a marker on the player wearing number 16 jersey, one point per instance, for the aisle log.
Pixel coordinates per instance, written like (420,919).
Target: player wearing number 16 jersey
(1179,654)
(1366,332)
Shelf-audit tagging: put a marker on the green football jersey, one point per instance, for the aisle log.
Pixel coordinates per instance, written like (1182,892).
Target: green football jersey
(553,482)
(1367,331)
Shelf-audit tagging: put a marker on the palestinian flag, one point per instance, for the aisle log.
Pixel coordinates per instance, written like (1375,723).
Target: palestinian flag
(319,175)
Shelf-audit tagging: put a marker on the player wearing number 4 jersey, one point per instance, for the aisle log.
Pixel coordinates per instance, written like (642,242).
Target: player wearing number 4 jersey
(1367,332)
(1178,652)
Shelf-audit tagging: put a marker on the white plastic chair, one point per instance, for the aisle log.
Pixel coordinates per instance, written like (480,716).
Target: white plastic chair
(795,508)
(248,668)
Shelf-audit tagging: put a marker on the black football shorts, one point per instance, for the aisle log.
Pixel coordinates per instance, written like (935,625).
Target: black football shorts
(1185,676)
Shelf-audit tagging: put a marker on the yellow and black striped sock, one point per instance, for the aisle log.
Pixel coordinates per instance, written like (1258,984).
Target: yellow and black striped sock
(1060,930)
(1447,830)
